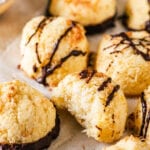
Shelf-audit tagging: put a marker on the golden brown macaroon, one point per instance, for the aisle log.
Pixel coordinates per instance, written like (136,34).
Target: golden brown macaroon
(125,57)
(96,102)
(129,143)
(95,15)
(139,120)
(52,48)
(28,120)
(138,14)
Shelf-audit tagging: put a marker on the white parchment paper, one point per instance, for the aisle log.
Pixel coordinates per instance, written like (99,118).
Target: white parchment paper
(11,24)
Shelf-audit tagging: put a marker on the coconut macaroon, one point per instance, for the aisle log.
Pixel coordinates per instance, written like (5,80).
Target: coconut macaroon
(139,120)
(28,120)
(94,15)
(96,102)
(138,14)
(126,58)
(52,48)
(129,143)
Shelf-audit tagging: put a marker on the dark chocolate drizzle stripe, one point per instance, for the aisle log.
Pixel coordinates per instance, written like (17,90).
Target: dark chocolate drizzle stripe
(111,95)
(144,110)
(37,54)
(147,124)
(109,66)
(104,84)
(39,29)
(84,74)
(91,60)
(87,74)
(90,76)
(59,41)
(115,46)
(38,145)
(145,56)
(49,70)
(129,42)
(40,26)
(147,25)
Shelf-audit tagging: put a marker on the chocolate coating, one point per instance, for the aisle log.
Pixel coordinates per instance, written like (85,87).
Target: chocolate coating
(47,70)
(148,26)
(37,145)
(124,19)
(129,42)
(147,124)
(100,28)
(104,84)
(84,74)
(91,29)
(87,74)
(144,110)
(111,95)
(41,25)
(91,60)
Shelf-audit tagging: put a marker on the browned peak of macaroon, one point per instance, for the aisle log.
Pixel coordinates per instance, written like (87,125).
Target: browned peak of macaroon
(53,52)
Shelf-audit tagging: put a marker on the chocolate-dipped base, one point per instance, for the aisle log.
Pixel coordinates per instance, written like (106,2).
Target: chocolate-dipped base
(92,29)
(91,60)
(99,28)
(124,19)
(38,145)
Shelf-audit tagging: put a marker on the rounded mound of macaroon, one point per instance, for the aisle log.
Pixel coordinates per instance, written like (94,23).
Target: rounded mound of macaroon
(28,119)
(55,53)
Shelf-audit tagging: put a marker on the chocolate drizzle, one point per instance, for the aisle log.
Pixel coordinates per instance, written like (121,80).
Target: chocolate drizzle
(86,74)
(91,59)
(111,95)
(144,110)
(59,41)
(39,27)
(35,68)
(129,42)
(126,17)
(48,69)
(91,29)
(90,77)
(147,25)
(145,117)
(104,84)
(147,124)
(37,145)
(37,54)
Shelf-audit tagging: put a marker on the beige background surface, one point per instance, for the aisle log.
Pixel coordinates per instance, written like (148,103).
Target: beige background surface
(11,24)
(12,21)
